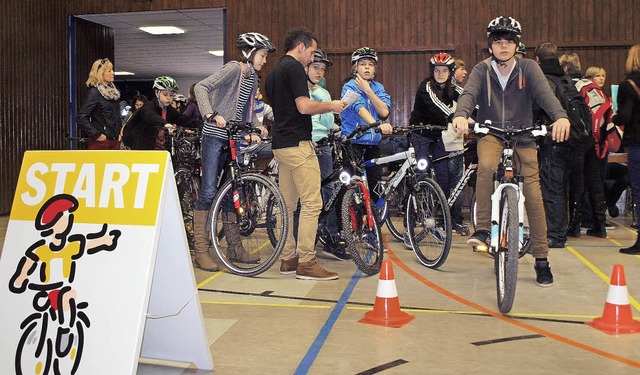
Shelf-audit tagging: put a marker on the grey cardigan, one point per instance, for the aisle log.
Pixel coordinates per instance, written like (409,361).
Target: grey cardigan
(219,92)
(513,105)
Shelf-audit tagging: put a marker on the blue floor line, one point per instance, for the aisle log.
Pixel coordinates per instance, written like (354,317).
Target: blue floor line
(314,350)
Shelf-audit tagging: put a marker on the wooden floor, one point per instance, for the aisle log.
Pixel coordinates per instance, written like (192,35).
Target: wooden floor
(275,324)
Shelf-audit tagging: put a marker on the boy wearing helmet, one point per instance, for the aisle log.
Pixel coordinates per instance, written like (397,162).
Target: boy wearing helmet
(434,104)
(146,128)
(372,105)
(504,87)
(227,94)
(299,171)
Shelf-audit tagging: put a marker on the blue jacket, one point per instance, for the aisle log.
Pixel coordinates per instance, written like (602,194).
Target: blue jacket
(350,118)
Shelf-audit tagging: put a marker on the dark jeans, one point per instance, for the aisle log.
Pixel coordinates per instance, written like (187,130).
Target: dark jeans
(634,175)
(214,157)
(555,164)
(620,176)
(585,174)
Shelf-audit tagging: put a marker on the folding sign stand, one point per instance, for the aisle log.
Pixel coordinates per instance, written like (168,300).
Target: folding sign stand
(95,270)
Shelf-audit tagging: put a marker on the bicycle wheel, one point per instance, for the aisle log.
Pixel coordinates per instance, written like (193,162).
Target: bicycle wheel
(429,223)
(395,210)
(361,231)
(250,225)
(188,188)
(506,258)
(472,212)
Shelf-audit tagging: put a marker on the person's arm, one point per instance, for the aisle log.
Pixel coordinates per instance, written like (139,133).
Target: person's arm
(306,106)
(379,104)
(222,78)
(546,98)
(83,118)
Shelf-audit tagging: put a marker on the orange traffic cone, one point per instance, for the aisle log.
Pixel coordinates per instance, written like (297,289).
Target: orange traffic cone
(617,317)
(386,310)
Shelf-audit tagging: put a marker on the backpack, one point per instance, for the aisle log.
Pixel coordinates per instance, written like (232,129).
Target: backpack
(606,135)
(574,104)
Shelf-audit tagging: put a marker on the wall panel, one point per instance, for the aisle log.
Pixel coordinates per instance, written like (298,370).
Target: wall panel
(33,60)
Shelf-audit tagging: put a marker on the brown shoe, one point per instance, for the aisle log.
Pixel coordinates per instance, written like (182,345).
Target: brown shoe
(311,270)
(288,267)
(206,263)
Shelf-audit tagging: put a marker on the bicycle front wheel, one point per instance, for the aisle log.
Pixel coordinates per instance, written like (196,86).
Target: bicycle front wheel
(250,224)
(361,231)
(394,212)
(188,189)
(429,223)
(506,258)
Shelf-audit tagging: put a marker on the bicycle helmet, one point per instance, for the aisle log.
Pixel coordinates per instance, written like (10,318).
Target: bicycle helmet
(165,83)
(320,56)
(504,25)
(252,42)
(522,49)
(442,59)
(180,98)
(364,53)
(53,209)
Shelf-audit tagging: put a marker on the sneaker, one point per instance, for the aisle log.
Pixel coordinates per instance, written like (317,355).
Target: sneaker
(336,251)
(602,233)
(553,244)
(289,266)
(461,229)
(480,240)
(613,211)
(407,243)
(544,278)
(311,270)
(574,232)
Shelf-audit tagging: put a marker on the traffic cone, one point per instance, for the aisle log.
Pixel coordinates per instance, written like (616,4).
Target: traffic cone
(617,317)
(386,310)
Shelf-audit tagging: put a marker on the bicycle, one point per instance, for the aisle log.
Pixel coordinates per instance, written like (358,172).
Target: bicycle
(507,211)
(415,201)
(249,213)
(184,147)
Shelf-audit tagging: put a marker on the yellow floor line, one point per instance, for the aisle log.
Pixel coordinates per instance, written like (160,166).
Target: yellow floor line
(265,304)
(601,274)
(212,277)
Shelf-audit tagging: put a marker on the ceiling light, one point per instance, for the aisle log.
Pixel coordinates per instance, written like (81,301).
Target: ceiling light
(162,30)
(218,53)
(123,73)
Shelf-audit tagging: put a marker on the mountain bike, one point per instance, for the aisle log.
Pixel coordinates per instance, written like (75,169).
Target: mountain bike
(507,211)
(248,215)
(412,203)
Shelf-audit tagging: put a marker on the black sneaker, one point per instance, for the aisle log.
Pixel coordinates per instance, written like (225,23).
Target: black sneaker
(609,226)
(461,229)
(544,278)
(336,251)
(553,244)
(480,240)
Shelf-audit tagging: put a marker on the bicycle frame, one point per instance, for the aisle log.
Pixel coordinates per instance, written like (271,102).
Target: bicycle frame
(409,158)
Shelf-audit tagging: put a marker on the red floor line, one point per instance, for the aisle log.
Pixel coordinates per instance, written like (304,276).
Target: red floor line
(506,319)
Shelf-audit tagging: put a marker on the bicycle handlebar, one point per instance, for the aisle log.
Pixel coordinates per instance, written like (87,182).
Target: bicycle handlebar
(361,129)
(535,131)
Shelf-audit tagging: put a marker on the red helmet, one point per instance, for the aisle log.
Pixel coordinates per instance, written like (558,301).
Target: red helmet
(442,59)
(53,209)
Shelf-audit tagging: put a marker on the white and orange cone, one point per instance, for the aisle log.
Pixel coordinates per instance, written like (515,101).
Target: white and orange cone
(617,317)
(386,310)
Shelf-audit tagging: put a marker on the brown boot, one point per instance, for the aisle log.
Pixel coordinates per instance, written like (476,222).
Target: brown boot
(201,242)
(235,249)
(311,270)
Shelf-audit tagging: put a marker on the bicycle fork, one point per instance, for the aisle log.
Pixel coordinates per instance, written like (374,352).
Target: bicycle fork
(496,200)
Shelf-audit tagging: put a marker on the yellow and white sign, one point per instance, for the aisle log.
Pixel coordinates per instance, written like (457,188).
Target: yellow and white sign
(95,270)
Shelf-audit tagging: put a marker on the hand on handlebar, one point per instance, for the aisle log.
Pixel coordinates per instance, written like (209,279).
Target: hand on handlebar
(460,125)
(253,138)
(264,133)
(218,120)
(560,130)
(386,128)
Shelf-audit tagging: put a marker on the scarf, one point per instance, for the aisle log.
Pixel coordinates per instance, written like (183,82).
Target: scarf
(109,92)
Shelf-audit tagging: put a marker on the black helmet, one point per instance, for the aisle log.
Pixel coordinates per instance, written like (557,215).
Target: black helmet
(364,53)
(252,42)
(320,56)
(522,49)
(504,25)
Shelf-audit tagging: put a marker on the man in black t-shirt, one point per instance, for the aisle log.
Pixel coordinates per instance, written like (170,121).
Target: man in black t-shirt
(299,173)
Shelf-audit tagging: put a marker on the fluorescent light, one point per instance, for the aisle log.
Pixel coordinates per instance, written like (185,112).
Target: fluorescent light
(161,30)
(123,73)
(218,53)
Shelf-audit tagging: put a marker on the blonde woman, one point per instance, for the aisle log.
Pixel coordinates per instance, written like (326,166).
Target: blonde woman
(99,116)
(597,74)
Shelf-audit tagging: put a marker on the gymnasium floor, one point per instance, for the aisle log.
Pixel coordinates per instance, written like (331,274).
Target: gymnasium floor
(275,324)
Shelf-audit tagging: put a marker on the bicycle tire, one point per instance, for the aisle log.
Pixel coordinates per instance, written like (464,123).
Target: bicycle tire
(429,223)
(188,187)
(363,241)
(261,229)
(506,258)
(394,212)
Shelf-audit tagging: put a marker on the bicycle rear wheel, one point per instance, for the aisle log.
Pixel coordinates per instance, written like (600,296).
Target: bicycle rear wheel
(429,223)
(250,235)
(506,257)
(361,231)
(394,212)
(188,186)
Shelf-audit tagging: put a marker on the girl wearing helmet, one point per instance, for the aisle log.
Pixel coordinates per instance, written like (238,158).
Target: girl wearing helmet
(99,117)
(146,128)
(434,104)
(227,94)
(504,87)
(372,104)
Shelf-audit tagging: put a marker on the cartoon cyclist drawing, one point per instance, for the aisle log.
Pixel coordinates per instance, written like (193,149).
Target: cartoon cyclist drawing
(53,336)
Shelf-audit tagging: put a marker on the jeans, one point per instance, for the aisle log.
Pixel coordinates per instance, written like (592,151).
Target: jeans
(214,156)
(634,175)
(555,164)
(526,159)
(299,179)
